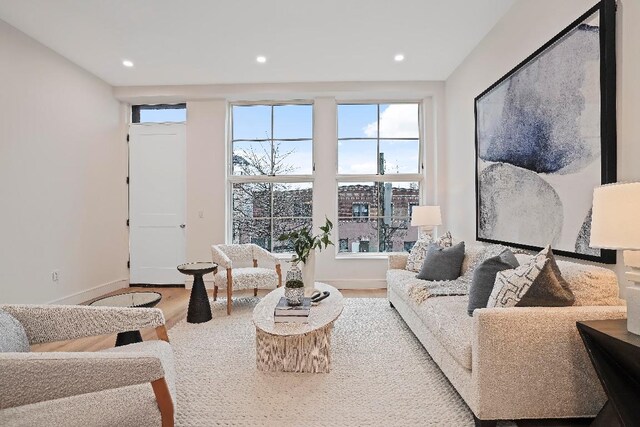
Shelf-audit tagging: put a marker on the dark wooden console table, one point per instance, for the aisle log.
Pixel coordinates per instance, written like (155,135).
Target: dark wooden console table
(615,354)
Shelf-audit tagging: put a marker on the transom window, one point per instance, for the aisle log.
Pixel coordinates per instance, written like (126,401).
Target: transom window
(159,113)
(270,172)
(379,165)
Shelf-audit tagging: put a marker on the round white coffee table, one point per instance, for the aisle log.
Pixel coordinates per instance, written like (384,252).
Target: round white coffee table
(296,347)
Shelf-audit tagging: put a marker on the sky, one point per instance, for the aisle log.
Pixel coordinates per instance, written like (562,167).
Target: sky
(355,156)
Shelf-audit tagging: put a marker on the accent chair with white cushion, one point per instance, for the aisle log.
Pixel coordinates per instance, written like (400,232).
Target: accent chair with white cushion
(131,385)
(246,266)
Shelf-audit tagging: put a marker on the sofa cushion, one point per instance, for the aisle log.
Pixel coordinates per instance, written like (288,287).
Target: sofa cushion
(447,319)
(484,277)
(442,263)
(419,250)
(13,337)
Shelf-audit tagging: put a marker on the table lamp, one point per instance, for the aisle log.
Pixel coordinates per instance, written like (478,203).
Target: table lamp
(615,224)
(426,217)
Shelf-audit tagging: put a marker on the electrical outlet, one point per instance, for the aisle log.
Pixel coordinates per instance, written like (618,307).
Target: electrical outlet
(201,214)
(55,275)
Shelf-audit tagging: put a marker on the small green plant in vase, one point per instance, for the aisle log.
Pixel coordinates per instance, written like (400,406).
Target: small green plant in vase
(304,247)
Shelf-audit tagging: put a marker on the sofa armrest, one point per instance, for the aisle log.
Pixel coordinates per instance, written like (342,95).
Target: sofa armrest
(397,261)
(47,323)
(529,362)
(35,377)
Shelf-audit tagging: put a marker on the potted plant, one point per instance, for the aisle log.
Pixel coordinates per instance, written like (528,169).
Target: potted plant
(294,291)
(304,247)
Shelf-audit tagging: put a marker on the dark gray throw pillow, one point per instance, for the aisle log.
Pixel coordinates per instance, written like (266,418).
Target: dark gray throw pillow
(484,277)
(13,337)
(442,263)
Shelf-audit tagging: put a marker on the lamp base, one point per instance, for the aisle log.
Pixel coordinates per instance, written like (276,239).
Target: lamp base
(633,309)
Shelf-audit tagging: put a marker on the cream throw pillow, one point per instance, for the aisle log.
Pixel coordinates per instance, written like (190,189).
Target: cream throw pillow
(419,251)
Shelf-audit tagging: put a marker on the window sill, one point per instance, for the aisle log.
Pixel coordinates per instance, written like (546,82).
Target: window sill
(365,255)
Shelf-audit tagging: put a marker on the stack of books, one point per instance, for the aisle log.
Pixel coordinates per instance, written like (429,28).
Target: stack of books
(285,313)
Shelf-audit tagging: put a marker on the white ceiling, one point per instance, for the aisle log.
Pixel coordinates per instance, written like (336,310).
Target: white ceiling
(216,41)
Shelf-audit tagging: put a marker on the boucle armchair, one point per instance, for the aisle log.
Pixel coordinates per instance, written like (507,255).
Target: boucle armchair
(244,269)
(124,386)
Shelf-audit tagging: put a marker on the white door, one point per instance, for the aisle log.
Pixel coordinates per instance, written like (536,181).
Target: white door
(157,198)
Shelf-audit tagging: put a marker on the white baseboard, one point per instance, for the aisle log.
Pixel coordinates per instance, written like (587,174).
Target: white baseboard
(87,294)
(340,284)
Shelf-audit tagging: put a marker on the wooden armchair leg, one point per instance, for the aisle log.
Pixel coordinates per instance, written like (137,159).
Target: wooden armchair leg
(161,331)
(215,293)
(229,290)
(279,271)
(255,292)
(164,400)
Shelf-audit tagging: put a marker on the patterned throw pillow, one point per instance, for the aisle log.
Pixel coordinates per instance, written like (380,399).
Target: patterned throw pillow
(536,284)
(419,251)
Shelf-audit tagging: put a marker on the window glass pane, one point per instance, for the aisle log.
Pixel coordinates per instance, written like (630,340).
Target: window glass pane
(357,121)
(292,121)
(400,156)
(164,115)
(252,158)
(251,200)
(293,157)
(261,212)
(386,228)
(251,122)
(399,121)
(292,200)
(357,157)
(286,225)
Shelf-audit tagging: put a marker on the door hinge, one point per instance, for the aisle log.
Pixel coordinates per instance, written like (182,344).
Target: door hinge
(127,137)
(127,180)
(127,223)
(128,264)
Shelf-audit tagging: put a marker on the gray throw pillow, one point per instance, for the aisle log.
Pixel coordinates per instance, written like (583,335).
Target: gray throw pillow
(13,337)
(484,277)
(550,289)
(442,263)
(419,250)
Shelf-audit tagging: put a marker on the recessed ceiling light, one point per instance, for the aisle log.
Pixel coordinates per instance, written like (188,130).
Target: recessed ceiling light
(127,63)
(399,57)
(261,59)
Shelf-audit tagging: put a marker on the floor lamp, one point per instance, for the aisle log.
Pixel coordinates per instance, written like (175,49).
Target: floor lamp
(615,225)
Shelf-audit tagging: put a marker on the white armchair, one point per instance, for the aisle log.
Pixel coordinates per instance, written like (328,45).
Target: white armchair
(127,385)
(245,266)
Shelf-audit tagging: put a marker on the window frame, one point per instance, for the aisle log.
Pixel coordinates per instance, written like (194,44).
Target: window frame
(418,177)
(232,179)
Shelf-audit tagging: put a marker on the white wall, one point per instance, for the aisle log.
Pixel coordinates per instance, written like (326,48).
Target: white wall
(207,144)
(527,26)
(62,177)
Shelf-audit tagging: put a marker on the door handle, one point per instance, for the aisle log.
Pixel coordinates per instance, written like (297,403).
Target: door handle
(183,225)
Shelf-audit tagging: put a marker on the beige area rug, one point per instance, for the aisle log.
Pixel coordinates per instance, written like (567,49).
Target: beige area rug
(381,375)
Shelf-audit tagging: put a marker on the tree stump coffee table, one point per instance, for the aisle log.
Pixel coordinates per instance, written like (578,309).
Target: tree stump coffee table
(296,347)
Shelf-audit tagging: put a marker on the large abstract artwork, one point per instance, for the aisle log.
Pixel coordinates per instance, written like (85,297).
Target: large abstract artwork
(545,137)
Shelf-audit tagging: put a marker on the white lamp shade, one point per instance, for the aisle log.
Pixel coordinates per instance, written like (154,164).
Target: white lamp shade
(615,223)
(426,216)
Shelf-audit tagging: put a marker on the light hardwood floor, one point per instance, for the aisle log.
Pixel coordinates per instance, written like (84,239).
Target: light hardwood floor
(174,305)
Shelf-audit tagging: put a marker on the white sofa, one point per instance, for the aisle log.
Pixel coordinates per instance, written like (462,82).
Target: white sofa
(513,363)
